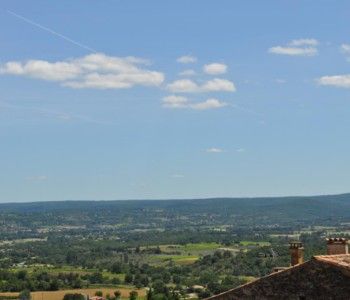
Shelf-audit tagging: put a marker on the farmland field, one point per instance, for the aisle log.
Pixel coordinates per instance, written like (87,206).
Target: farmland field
(58,295)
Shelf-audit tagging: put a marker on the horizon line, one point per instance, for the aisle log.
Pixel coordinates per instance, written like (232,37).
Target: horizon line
(177,199)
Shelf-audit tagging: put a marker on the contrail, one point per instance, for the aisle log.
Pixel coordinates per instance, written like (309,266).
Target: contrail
(51,31)
(57,114)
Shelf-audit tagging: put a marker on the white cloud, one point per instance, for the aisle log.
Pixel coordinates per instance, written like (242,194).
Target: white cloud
(342,81)
(183,86)
(240,150)
(92,71)
(294,51)
(176,102)
(345,48)
(214,150)
(58,71)
(300,47)
(208,104)
(189,86)
(188,72)
(215,69)
(217,85)
(186,59)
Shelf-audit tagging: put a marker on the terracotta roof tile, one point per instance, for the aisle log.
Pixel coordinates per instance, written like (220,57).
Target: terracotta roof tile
(341,260)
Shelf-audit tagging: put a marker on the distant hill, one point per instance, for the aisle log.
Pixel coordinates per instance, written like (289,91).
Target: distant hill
(239,211)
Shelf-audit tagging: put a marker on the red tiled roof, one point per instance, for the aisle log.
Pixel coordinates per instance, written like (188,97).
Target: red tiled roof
(341,260)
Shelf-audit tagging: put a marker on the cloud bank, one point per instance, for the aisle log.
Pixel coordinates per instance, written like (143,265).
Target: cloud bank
(186,59)
(213,85)
(342,81)
(300,47)
(96,71)
(176,102)
(215,69)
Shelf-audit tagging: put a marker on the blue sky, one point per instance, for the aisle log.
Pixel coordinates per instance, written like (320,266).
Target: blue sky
(173,99)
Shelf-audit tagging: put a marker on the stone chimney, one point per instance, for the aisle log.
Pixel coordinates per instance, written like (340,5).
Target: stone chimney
(337,246)
(296,253)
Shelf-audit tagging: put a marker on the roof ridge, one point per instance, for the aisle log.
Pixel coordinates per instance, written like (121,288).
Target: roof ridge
(261,278)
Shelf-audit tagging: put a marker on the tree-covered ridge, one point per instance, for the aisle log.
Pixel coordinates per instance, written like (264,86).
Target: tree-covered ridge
(219,210)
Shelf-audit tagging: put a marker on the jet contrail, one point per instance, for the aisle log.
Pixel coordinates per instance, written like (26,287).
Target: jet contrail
(51,31)
(57,114)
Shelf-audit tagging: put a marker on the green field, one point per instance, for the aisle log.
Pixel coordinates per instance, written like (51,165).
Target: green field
(254,243)
(178,259)
(70,269)
(201,246)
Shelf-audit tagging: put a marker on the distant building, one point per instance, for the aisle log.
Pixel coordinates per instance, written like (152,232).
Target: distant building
(322,277)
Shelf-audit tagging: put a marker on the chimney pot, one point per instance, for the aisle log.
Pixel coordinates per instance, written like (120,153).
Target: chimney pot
(337,246)
(296,253)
